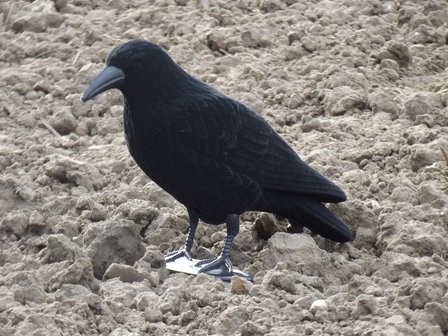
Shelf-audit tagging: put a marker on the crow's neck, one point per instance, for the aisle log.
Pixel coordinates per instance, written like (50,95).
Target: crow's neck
(163,84)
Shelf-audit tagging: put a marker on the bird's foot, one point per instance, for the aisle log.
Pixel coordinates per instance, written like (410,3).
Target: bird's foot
(294,229)
(220,267)
(173,256)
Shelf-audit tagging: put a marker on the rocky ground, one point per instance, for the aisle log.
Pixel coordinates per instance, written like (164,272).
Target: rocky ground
(358,88)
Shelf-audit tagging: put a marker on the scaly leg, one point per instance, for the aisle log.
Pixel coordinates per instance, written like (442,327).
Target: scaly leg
(222,266)
(172,256)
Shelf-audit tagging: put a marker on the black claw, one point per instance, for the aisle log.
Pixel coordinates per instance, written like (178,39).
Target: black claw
(172,256)
(222,268)
(219,267)
(294,229)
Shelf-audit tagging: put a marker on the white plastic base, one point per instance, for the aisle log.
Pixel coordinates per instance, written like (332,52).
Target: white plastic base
(188,266)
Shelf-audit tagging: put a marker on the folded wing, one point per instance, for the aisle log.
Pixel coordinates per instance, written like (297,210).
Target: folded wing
(229,132)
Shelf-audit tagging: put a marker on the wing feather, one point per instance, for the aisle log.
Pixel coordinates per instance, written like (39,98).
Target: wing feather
(229,132)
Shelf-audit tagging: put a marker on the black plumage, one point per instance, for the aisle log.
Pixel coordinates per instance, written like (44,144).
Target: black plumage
(212,153)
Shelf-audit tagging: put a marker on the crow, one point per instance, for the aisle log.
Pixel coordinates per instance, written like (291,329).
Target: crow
(212,153)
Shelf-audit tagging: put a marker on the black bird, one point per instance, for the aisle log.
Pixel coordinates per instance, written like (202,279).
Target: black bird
(212,153)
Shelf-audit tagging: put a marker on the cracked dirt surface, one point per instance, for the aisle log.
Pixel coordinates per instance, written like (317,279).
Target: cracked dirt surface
(359,89)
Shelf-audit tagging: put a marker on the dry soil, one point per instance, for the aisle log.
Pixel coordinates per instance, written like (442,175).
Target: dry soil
(358,88)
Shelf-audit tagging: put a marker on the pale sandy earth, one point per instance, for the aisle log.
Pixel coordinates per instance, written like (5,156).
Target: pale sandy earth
(358,88)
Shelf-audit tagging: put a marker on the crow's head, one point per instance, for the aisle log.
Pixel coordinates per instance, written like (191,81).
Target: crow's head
(134,65)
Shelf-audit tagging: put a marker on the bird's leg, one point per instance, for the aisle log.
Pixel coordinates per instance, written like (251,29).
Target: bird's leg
(294,227)
(172,256)
(222,264)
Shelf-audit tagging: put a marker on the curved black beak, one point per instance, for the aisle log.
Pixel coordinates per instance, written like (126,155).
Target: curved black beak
(109,78)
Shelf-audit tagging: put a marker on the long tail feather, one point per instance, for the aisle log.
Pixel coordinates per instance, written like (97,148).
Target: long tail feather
(303,210)
(315,216)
